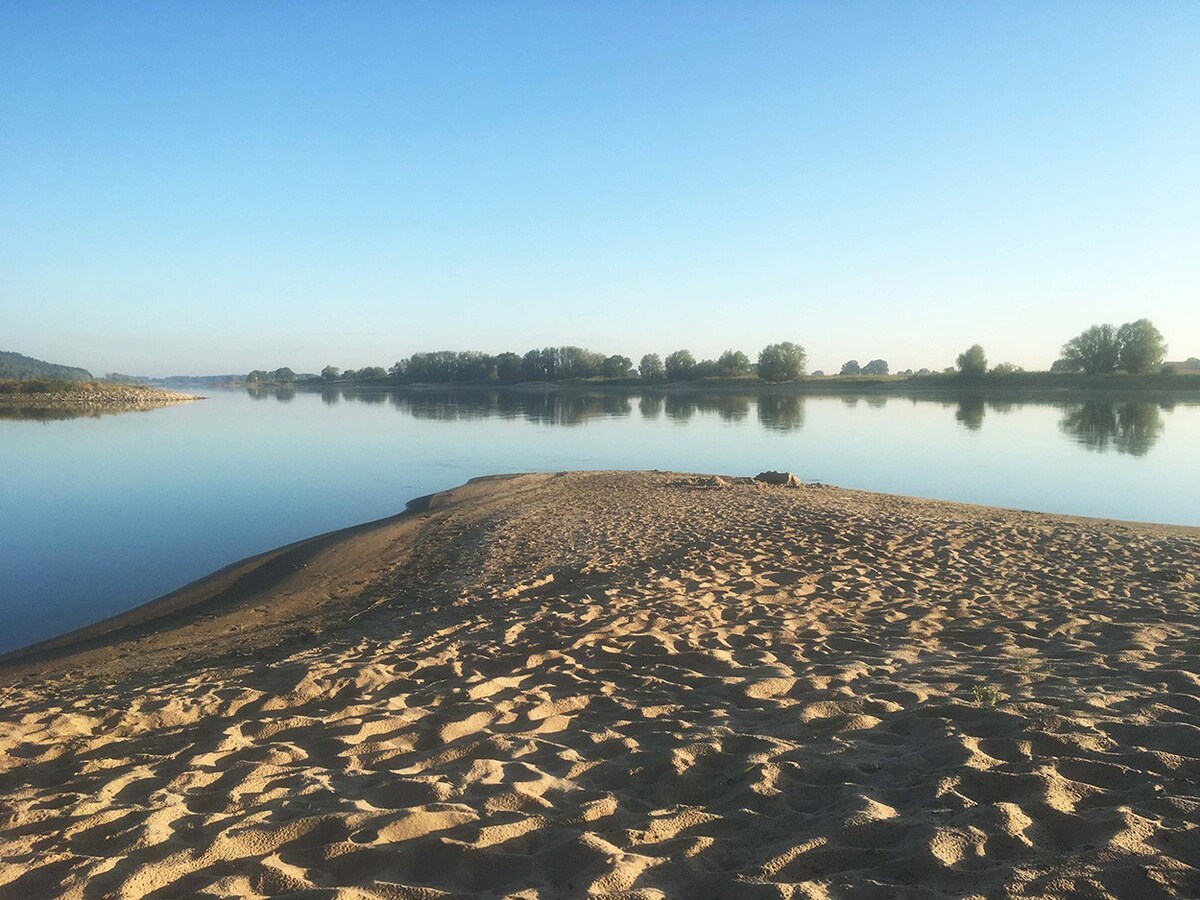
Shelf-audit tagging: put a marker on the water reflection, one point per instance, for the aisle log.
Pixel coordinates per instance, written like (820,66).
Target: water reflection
(682,407)
(650,406)
(53,414)
(65,413)
(1130,427)
(781,412)
(541,407)
(970,412)
(679,409)
(730,409)
(284,393)
(1099,424)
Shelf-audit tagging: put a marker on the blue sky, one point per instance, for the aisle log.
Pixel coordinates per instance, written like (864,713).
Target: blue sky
(211,187)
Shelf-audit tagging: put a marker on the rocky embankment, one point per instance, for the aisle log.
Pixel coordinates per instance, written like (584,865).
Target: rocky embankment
(88,399)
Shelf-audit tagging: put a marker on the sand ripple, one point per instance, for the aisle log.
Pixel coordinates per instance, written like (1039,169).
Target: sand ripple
(655,685)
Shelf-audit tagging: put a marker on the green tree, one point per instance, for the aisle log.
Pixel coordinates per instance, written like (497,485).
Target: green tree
(851,367)
(651,368)
(1142,347)
(1095,351)
(508,368)
(679,366)
(972,362)
(257,375)
(781,362)
(1006,368)
(577,362)
(876,367)
(329,373)
(733,363)
(538,365)
(616,367)
(283,376)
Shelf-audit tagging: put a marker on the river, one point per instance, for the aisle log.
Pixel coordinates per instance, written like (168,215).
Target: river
(102,514)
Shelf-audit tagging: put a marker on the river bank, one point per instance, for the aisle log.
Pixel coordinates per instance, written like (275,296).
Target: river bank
(662,684)
(1030,387)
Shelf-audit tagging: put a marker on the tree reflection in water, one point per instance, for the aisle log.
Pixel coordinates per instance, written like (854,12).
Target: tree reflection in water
(650,406)
(284,393)
(781,412)
(1127,426)
(679,409)
(1132,426)
(970,412)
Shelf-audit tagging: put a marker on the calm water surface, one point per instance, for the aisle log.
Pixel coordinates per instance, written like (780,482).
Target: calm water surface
(99,515)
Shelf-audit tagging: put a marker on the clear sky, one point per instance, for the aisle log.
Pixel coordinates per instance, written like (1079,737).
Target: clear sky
(215,187)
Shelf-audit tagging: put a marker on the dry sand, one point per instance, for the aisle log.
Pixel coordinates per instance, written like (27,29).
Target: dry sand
(631,684)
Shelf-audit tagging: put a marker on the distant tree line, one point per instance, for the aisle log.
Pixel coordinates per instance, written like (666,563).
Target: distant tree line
(874,367)
(776,362)
(278,376)
(1137,348)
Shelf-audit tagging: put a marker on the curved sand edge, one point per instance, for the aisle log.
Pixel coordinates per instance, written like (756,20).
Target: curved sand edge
(642,684)
(295,581)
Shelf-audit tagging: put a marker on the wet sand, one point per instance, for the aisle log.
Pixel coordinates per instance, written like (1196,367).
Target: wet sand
(637,685)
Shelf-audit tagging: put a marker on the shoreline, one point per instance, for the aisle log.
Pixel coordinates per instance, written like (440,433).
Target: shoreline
(89,399)
(655,683)
(1010,388)
(260,575)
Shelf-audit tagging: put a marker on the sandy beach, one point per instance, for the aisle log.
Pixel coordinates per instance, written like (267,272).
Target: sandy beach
(633,685)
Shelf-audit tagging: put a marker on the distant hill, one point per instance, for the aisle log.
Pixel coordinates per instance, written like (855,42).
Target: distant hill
(14,365)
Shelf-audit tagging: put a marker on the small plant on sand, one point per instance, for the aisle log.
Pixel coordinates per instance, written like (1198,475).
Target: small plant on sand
(1024,662)
(986,695)
(1028,663)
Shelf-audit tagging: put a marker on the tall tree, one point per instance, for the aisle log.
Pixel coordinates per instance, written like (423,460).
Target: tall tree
(851,367)
(972,362)
(679,365)
(876,367)
(1142,347)
(651,367)
(732,363)
(616,367)
(508,368)
(1095,351)
(781,362)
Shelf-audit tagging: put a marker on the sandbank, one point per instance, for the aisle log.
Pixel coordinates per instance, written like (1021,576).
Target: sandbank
(630,684)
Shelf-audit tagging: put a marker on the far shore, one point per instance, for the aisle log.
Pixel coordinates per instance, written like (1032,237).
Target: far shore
(1033,386)
(638,684)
